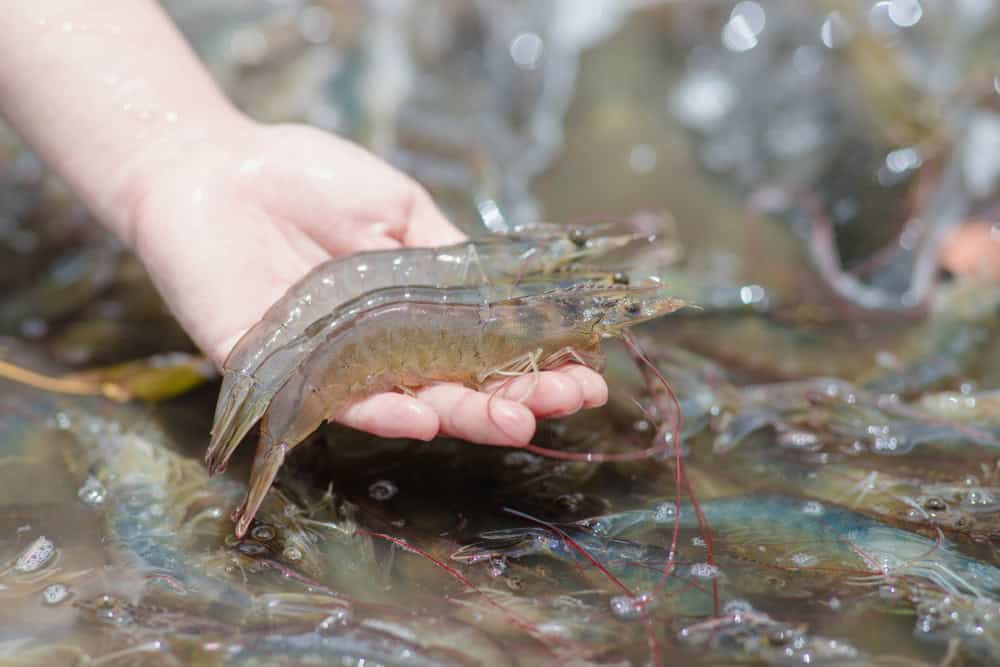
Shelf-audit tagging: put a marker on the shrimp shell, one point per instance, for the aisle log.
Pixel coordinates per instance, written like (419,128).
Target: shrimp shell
(403,345)
(273,370)
(325,288)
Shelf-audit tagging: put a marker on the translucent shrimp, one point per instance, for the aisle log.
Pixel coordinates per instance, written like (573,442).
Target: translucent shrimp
(405,345)
(325,288)
(272,371)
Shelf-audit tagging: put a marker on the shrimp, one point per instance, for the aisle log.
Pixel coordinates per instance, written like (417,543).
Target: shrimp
(330,284)
(273,370)
(409,344)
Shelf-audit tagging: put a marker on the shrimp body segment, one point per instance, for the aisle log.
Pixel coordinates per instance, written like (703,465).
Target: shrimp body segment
(273,370)
(411,344)
(327,287)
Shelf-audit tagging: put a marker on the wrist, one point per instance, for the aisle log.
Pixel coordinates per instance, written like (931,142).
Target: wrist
(177,146)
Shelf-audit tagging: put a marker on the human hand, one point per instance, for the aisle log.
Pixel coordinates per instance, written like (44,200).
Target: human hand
(226,222)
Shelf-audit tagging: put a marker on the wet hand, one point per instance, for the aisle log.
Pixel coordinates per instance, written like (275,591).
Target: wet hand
(227,222)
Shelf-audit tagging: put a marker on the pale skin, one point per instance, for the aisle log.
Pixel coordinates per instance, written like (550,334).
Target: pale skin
(224,212)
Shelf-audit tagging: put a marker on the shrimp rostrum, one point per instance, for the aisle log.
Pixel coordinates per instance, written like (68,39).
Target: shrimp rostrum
(404,345)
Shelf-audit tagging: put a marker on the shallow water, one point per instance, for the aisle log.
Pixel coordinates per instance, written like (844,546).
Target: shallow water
(840,497)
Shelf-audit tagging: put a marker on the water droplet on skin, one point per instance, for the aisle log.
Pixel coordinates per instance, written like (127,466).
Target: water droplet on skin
(92,492)
(67,27)
(382,490)
(170,116)
(36,556)
(55,594)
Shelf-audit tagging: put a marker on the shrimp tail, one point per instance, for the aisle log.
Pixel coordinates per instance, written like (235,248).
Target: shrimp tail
(230,424)
(266,464)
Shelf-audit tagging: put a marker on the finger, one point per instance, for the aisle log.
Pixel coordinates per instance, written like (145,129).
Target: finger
(471,415)
(592,385)
(427,226)
(392,416)
(546,394)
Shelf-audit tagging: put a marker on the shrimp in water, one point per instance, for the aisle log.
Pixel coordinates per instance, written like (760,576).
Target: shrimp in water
(410,344)
(327,287)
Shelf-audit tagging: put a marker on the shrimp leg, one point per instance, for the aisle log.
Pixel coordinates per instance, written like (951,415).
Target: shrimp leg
(266,463)
(529,363)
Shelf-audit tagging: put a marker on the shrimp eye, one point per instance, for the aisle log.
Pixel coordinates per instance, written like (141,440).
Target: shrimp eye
(578,237)
(633,308)
(620,278)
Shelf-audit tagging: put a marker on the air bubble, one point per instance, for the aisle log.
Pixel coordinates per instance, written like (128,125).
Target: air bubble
(835,31)
(498,565)
(526,50)
(665,512)
(804,559)
(92,492)
(704,570)
(262,533)
(55,594)
(812,508)
(905,13)
(629,608)
(36,556)
(382,490)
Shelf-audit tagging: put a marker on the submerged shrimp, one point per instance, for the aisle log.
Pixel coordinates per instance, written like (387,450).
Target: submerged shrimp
(329,285)
(406,345)
(273,370)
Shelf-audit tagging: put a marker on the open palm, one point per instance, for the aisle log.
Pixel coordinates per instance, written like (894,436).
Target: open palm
(227,225)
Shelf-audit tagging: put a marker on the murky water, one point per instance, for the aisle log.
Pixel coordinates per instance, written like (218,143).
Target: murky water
(827,169)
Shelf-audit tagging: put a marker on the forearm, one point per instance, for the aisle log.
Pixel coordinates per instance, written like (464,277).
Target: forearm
(101,87)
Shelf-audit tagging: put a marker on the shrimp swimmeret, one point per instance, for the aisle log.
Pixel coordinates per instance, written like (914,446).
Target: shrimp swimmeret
(410,344)
(327,287)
